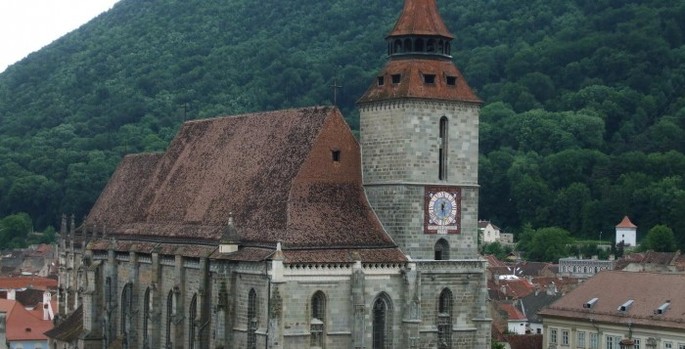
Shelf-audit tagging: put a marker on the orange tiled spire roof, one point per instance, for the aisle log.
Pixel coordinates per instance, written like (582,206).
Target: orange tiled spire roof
(420,17)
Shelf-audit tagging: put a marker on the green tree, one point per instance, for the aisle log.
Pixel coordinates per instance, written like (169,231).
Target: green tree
(496,249)
(14,229)
(660,239)
(545,244)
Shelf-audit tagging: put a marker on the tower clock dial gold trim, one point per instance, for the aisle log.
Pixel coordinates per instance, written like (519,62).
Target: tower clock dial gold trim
(442,210)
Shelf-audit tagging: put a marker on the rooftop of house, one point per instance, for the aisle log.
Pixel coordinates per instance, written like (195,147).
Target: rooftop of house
(70,328)
(511,312)
(626,224)
(24,282)
(625,297)
(21,325)
(675,259)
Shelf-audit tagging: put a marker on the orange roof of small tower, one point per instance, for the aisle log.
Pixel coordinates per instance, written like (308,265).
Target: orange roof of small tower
(420,17)
(626,223)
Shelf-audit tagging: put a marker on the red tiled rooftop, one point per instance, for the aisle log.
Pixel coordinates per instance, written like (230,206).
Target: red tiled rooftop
(21,325)
(626,223)
(411,72)
(613,288)
(511,311)
(272,172)
(420,17)
(38,283)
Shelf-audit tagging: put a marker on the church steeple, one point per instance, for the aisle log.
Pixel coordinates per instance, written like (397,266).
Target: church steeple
(420,60)
(419,31)
(419,141)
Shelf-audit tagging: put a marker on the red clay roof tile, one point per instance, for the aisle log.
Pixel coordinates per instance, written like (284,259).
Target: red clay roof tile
(420,17)
(412,83)
(272,172)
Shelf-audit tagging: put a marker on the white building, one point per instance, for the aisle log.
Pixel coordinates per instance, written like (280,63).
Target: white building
(616,309)
(488,232)
(626,231)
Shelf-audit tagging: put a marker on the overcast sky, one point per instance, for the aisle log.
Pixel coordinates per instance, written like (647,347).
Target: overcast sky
(28,25)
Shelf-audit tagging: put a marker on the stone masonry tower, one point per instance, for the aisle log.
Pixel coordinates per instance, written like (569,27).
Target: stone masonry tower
(419,137)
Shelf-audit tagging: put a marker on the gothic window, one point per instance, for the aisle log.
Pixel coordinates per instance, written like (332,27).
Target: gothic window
(252,320)
(169,317)
(126,307)
(146,318)
(317,324)
(109,306)
(442,152)
(192,316)
(382,323)
(442,250)
(445,319)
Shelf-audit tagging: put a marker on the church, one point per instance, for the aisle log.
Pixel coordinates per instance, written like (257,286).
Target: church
(281,230)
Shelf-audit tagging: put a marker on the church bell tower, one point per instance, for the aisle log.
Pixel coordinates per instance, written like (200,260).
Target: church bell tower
(419,139)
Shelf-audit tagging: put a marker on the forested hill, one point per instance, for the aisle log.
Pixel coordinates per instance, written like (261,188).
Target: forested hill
(582,123)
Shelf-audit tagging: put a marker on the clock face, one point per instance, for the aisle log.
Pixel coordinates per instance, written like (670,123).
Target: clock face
(442,210)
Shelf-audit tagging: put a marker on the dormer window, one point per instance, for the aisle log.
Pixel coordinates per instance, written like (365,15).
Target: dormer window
(429,78)
(381,81)
(396,78)
(451,80)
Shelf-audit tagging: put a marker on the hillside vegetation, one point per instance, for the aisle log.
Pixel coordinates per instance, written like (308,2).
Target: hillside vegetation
(582,122)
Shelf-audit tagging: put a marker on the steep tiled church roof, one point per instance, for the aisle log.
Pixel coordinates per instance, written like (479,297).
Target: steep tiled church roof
(411,84)
(420,17)
(273,172)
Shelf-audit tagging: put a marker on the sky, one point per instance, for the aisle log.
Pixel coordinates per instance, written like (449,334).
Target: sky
(28,25)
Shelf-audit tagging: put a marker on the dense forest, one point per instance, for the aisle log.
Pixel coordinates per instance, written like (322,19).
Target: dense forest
(582,122)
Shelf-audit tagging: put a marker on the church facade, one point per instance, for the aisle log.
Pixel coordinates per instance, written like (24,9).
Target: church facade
(281,230)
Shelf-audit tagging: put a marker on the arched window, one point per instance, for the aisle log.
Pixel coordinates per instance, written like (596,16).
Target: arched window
(442,250)
(126,308)
(418,45)
(318,320)
(192,316)
(397,47)
(252,320)
(442,152)
(382,322)
(146,318)
(407,45)
(445,319)
(169,317)
(430,45)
